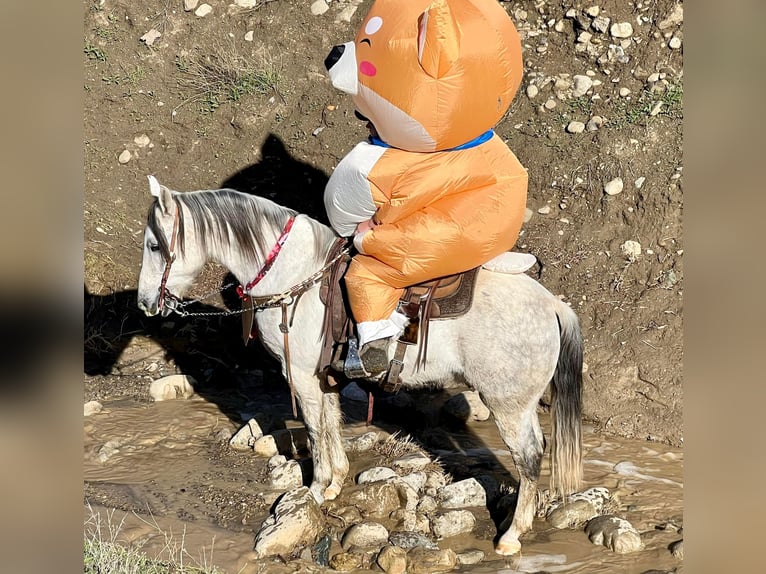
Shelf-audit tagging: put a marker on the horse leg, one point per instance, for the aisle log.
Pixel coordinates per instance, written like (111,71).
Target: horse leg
(524,438)
(333,443)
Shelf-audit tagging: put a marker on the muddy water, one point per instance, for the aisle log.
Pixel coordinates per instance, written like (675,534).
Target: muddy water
(178,490)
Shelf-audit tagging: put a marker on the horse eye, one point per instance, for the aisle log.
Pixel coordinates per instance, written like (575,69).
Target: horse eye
(154,246)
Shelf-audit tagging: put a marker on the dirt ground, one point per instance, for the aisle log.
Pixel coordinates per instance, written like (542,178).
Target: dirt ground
(239,98)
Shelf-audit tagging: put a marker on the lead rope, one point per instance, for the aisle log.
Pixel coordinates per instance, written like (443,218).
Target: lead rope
(169,261)
(285,330)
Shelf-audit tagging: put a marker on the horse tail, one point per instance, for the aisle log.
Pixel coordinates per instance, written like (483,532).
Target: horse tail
(566,406)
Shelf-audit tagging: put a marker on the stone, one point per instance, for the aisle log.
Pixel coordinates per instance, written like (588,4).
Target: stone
(410,521)
(593,11)
(675,43)
(434,481)
(125,157)
(571,514)
(347,13)
(581,85)
(244,439)
(614,186)
(408,496)
(594,124)
(452,523)
(467,406)
(532,91)
(190,5)
(297,521)
(427,561)
(91,408)
(411,461)
(601,24)
(375,474)
(275,461)
(411,539)
(142,140)
(172,387)
(345,562)
(470,557)
(287,476)
(621,30)
(528,213)
(575,127)
(392,560)
(249,36)
(639,182)
(203,10)
(427,504)
(365,535)
(614,533)
(150,37)
(376,499)
(363,442)
(677,549)
(319,7)
(463,494)
(624,92)
(631,249)
(675,18)
(416,480)
(265,446)
(246,3)
(550,104)
(544,210)
(108,450)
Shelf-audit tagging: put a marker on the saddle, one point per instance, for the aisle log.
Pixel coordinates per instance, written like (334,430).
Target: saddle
(443,298)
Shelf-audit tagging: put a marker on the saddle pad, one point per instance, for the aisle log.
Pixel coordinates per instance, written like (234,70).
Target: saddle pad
(511,262)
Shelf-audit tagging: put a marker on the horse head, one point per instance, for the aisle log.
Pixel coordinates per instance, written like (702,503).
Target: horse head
(168,266)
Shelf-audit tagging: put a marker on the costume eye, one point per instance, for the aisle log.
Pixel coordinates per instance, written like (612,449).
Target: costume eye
(366,41)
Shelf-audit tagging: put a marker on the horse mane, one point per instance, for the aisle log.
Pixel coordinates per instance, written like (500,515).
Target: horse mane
(226,217)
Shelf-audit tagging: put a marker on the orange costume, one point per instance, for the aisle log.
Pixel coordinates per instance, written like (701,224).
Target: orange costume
(444,193)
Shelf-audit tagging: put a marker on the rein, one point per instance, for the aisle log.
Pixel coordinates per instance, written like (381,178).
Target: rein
(168,262)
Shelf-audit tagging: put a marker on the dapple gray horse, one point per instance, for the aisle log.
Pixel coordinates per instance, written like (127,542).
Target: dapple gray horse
(516,338)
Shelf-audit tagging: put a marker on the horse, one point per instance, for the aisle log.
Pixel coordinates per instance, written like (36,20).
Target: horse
(516,338)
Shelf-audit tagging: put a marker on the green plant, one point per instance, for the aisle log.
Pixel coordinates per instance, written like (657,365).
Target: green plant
(632,112)
(94,52)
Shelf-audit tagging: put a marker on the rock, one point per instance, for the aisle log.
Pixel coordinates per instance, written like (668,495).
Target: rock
(108,450)
(172,387)
(462,494)
(675,18)
(544,210)
(297,521)
(190,5)
(614,533)
(150,37)
(244,439)
(287,475)
(345,562)
(639,182)
(265,446)
(593,11)
(364,442)
(203,10)
(347,13)
(416,480)
(631,249)
(142,140)
(624,92)
(452,523)
(249,36)
(677,549)
(675,43)
(532,91)
(410,521)
(408,496)
(594,123)
(427,504)
(434,481)
(600,24)
(275,461)
(319,7)
(91,408)
(411,461)
(125,157)
(581,85)
(375,474)
(365,535)
(576,127)
(528,213)
(346,517)
(467,406)
(550,104)
(470,557)
(621,30)
(426,561)
(393,560)
(376,499)
(246,3)
(411,539)
(571,514)
(614,186)
(653,77)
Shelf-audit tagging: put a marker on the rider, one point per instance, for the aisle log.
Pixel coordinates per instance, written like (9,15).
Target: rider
(434,191)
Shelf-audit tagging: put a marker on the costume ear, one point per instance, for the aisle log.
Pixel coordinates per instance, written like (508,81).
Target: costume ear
(438,39)
(162,193)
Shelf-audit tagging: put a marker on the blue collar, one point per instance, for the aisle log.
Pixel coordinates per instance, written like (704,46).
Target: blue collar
(473,143)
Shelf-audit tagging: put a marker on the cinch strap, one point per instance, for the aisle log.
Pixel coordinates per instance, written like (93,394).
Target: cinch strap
(486,136)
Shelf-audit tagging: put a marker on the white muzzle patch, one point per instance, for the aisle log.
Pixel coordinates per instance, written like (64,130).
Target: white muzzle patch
(343,73)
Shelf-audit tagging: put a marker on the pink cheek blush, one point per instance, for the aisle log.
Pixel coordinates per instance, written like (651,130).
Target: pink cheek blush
(367,69)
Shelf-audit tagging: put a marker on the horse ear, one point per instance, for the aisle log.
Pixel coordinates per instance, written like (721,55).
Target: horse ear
(438,39)
(162,194)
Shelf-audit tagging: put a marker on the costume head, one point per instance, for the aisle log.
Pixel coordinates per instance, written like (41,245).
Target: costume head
(430,74)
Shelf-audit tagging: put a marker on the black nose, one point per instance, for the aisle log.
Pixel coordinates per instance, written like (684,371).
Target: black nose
(333,57)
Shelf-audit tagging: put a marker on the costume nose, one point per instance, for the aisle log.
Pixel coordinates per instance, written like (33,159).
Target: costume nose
(333,57)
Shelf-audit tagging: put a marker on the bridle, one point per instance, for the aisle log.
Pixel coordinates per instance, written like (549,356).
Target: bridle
(164,293)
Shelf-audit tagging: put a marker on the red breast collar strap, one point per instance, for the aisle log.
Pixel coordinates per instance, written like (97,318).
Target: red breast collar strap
(243,290)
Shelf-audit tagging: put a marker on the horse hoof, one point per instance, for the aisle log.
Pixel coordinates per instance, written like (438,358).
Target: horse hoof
(332,492)
(508,547)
